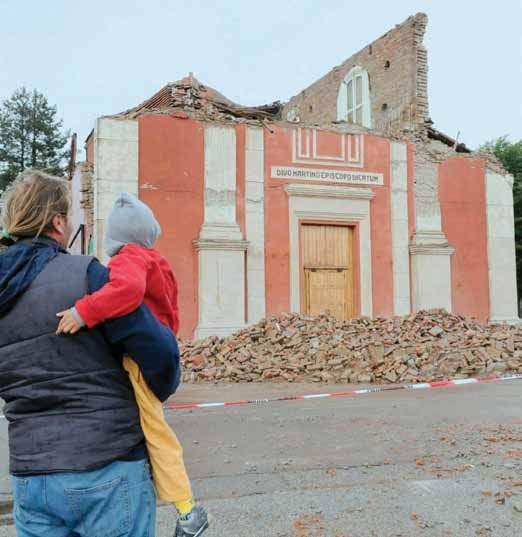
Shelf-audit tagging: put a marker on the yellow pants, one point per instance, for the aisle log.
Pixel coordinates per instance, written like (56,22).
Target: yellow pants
(165,452)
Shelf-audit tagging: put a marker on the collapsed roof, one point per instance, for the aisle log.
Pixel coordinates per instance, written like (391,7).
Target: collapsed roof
(190,94)
(435,134)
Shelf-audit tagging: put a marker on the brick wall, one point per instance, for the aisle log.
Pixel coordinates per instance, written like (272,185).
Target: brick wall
(398,72)
(89,148)
(87,197)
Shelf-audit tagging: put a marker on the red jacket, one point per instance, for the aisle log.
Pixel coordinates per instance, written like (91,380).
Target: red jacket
(137,275)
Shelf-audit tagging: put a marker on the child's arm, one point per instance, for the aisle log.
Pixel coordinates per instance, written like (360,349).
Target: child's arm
(120,296)
(140,335)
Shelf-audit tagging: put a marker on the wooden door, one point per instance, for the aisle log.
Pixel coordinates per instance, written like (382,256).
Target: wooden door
(327,270)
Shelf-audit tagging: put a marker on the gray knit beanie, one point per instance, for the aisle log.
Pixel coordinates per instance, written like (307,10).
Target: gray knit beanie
(130,221)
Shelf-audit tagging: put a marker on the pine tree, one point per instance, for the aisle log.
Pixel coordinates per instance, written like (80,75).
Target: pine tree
(30,136)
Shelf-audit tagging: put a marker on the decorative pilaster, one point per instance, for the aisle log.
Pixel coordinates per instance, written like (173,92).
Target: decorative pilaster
(429,248)
(501,248)
(400,228)
(221,248)
(255,223)
(115,170)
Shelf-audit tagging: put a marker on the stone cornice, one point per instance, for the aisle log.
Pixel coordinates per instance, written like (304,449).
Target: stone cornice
(220,244)
(431,249)
(321,191)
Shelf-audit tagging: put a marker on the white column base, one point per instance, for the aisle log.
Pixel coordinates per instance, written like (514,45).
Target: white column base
(506,320)
(221,282)
(431,271)
(224,330)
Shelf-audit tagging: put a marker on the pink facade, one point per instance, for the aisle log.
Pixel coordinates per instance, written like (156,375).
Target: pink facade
(232,201)
(344,199)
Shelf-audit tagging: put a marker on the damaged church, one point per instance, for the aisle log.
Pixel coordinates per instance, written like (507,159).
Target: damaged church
(345,198)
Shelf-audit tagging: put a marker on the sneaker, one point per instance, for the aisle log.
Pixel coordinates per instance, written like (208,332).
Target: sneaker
(192,524)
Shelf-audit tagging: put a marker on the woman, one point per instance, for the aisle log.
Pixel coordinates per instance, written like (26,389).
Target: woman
(77,456)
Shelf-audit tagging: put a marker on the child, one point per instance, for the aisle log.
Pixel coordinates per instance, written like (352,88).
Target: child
(138,273)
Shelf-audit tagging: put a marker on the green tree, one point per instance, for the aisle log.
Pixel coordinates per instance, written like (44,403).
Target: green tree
(30,136)
(510,154)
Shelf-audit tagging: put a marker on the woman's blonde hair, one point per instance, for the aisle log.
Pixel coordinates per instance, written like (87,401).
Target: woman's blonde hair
(31,203)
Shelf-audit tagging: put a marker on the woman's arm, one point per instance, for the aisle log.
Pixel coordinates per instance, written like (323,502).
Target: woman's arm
(140,335)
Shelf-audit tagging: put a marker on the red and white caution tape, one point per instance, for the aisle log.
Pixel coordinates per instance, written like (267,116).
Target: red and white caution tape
(364,391)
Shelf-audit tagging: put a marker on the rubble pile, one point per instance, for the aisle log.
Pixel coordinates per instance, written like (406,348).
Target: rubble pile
(427,346)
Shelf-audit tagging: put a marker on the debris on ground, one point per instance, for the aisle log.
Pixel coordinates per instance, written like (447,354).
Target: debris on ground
(426,346)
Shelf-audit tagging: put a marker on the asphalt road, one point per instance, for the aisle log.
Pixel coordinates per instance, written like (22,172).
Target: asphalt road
(433,463)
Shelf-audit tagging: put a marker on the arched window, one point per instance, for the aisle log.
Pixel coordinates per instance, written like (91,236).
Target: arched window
(353,101)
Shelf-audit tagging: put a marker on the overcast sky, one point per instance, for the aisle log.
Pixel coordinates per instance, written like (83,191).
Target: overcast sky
(100,57)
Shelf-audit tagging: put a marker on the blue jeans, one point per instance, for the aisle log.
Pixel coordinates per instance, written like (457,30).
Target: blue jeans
(118,500)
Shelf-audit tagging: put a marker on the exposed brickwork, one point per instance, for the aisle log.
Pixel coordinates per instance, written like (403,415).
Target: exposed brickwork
(398,72)
(426,182)
(89,148)
(87,196)
(421,72)
(436,152)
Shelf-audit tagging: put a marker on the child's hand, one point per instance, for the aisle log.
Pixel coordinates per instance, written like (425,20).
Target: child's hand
(68,323)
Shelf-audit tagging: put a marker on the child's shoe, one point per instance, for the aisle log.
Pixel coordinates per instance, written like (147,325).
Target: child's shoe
(192,524)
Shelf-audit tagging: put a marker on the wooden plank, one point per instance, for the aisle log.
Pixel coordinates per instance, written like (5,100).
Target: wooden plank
(327,264)
(336,242)
(326,292)
(326,246)
(350,280)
